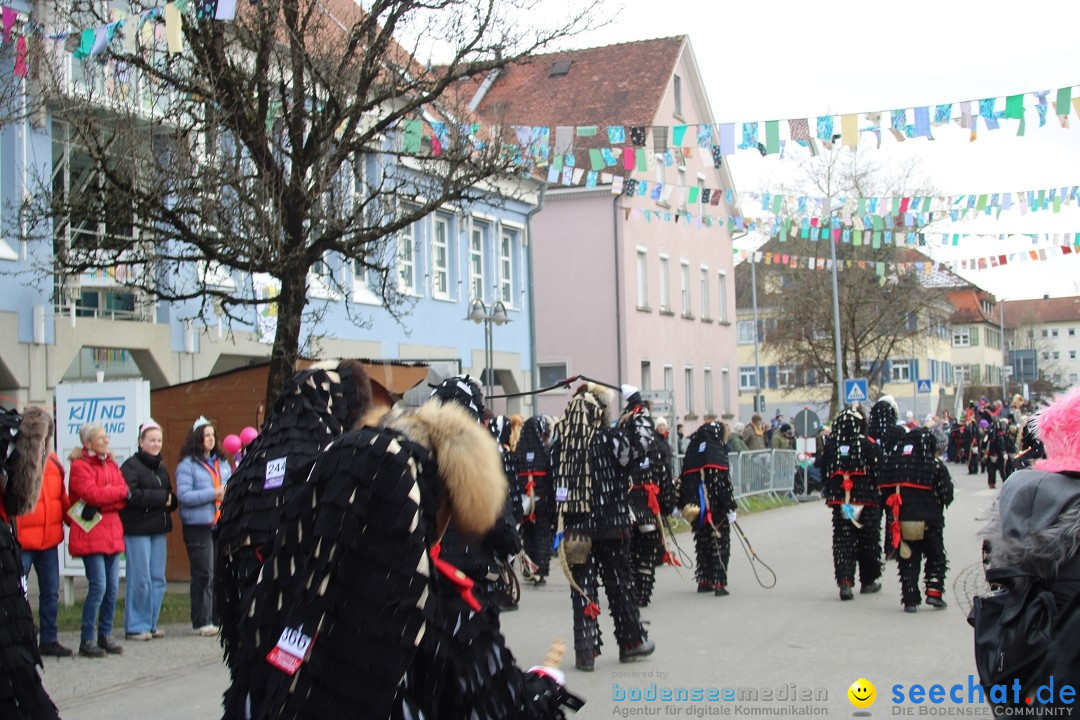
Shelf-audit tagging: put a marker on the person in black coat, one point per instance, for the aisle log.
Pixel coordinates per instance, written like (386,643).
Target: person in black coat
(146,519)
(652,498)
(917,488)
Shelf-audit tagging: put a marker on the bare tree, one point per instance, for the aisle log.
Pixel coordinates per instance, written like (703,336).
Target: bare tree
(880,313)
(302,131)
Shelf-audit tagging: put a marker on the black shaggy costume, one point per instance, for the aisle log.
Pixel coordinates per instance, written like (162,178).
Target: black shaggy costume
(594,460)
(916,488)
(705,484)
(849,466)
(315,407)
(24,442)
(356,615)
(535,481)
(652,498)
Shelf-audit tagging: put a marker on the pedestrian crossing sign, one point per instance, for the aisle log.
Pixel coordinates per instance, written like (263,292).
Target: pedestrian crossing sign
(923,387)
(855,390)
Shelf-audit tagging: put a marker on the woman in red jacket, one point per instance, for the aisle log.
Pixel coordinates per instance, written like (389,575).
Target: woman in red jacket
(40,533)
(97,481)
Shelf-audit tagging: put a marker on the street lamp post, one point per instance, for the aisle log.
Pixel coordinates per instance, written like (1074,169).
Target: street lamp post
(478,313)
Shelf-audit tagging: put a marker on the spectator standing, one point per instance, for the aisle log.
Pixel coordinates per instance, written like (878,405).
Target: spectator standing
(40,533)
(96,481)
(754,434)
(200,485)
(146,522)
(783,438)
(736,444)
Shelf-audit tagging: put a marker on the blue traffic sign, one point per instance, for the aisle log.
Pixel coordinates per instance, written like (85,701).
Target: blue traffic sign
(856,390)
(923,387)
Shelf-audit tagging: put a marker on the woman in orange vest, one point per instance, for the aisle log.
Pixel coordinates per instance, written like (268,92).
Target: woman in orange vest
(40,533)
(200,486)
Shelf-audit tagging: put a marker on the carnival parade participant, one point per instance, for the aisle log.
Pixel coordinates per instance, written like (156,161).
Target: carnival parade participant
(997,452)
(707,499)
(538,495)
(849,470)
(315,407)
(24,443)
(479,558)
(652,498)
(593,464)
(506,429)
(356,614)
(916,488)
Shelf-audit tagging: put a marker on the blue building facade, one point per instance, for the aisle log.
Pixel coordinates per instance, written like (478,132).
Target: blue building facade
(96,328)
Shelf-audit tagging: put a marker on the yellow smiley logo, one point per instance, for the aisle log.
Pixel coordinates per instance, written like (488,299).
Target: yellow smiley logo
(862,693)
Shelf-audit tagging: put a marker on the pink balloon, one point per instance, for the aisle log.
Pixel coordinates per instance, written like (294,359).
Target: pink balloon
(231,443)
(248,434)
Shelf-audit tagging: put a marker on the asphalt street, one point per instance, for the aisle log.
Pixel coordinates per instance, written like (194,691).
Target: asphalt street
(790,651)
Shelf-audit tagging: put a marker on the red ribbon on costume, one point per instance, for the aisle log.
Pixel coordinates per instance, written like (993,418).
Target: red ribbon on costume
(530,490)
(653,491)
(459,579)
(893,502)
(592,610)
(670,559)
(848,485)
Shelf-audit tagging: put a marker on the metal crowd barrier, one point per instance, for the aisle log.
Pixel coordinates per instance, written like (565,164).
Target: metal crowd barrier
(768,473)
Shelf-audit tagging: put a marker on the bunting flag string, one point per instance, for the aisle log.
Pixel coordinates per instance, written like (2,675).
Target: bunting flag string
(927,267)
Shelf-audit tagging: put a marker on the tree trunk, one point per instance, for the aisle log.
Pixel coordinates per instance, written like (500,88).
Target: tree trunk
(290,313)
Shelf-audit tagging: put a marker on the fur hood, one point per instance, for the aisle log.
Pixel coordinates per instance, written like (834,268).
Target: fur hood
(25,465)
(1058,426)
(467,458)
(1037,527)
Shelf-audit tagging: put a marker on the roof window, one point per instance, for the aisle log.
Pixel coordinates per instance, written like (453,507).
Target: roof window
(559,68)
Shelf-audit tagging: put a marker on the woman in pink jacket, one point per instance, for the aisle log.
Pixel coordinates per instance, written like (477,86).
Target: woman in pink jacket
(96,480)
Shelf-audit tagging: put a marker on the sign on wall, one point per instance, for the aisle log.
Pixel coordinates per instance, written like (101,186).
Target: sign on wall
(119,406)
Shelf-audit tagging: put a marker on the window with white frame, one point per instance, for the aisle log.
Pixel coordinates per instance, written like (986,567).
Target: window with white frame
(721,291)
(642,278)
(684,285)
(705,302)
(406,259)
(1072,354)
(785,376)
(440,258)
(1054,333)
(688,390)
(901,371)
(676,88)
(1045,332)
(507,242)
(646,375)
(665,284)
(745,331)
(1072,332)
(476,261)
(962,374)
(669,377)
(681,189)
(708,390)
(747,377)
(725,389)
(1046,354)
(961,336)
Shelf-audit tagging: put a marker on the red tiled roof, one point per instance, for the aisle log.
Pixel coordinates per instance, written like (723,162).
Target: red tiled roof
(968,308)
(619,84)
(1042,310)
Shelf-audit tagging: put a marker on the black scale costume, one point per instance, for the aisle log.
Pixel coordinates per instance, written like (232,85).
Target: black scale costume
(997,446)
(916,488)
(380,627)
(705,484)
(535,482)
(849,466)
(593,461)
(24,440)
(652,498)
(315,407)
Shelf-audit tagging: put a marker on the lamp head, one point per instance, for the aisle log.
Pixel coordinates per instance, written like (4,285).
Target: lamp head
(477,311)
(498,314)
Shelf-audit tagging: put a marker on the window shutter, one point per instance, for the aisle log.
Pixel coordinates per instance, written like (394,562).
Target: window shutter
(772,377)
(811,377)
(886,372)
(974,374)
(914,369)
(974,334)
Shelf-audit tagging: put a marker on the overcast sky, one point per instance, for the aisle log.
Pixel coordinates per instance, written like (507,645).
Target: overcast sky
(781,59)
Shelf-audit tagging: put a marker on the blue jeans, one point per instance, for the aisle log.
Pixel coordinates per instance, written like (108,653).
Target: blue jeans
(47,563)
(103,577)
(144,586)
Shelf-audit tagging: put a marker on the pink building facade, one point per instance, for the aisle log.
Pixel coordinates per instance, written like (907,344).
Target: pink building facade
(618,297)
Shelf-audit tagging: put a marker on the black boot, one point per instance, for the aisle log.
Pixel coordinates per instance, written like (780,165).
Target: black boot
(106,643)
(90,650)
(642,649)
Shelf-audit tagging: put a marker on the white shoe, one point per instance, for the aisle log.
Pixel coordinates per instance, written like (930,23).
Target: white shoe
(138,636)
(207,631)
